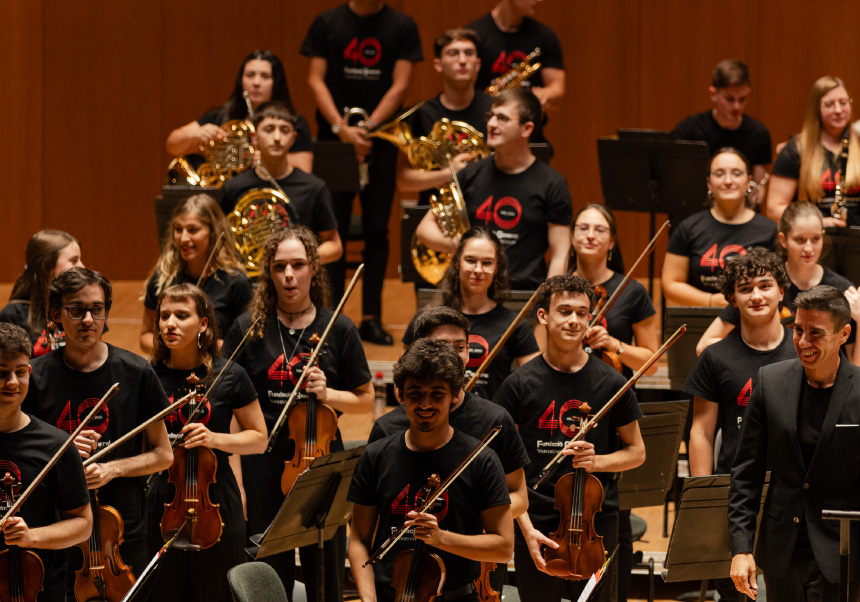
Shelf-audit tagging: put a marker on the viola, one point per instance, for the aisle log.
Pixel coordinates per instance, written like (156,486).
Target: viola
(578,497)
(192,472)
(312,426)
(21,571)
(483,586)
(103,576)
(418,575)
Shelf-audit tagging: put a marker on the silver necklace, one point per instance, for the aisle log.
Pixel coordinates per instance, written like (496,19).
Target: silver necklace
(283,348)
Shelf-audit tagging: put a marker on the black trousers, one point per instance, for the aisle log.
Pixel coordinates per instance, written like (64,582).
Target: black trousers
(805,583)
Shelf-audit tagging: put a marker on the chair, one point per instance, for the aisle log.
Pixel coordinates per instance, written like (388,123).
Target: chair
(256,582)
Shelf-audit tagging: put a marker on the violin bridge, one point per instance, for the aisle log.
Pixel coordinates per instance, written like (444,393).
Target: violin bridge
(191,501)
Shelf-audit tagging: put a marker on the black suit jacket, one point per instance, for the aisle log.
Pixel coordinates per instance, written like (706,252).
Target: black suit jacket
(769,441)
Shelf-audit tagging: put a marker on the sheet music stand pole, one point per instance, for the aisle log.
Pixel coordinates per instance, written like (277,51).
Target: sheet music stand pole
(844,517)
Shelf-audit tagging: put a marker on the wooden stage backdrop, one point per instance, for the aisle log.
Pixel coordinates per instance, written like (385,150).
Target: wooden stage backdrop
(91,89)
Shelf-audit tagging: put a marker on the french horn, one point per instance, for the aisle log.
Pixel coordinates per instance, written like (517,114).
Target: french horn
(258,213)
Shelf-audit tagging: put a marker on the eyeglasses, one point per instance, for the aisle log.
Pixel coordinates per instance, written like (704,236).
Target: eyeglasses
(584,228)
(844,103)
(76,312)
(736,174)
(500,117)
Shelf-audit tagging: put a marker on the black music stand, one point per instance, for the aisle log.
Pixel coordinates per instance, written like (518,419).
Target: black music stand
(650,174)
(336,165)
(681,356)
(142,587)
(844,256)
(844,517)
(699,548)
(314,509)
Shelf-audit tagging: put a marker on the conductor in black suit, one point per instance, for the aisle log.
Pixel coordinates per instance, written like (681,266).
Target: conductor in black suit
(803,424)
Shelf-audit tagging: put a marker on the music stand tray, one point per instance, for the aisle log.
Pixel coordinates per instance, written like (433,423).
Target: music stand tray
(699,547)
(681,356)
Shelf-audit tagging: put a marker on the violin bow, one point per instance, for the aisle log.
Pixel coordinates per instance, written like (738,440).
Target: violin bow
(501,342)
(587,425)
(596,318)
(83,424)
(276,430)
(431,499)
(205,273)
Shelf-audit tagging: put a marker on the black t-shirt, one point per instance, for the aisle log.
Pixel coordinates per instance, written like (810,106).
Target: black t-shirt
(360,54)
(389,475)
(500,50)
(302,144)
(518,208)
(235,390)
(310,200)
(751,138)
(631,307)
(708,243)
(342,359)
(485,330)
(540,400)
(475,417)
(24,453)
(787,165)
(810,418)
(62,397)
(724,375)
(229,294)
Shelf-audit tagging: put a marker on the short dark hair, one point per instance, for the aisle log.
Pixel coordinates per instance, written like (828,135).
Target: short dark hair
(730,72)
(731,151)
(758,261)
(454,35)
(430,318)
(430,360)
(73,280)
(274,109)
(449,286)
(826,298)
(565,283)
(14,340)
(527,103)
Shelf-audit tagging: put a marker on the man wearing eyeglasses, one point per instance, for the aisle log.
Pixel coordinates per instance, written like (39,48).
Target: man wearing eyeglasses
(67,382)
(523,201)
(803,424)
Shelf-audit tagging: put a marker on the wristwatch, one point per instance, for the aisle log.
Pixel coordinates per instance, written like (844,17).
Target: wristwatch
(337,126)
(620,349)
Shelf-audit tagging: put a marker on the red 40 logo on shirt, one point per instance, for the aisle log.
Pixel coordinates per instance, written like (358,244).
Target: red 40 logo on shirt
(179,417)
(505,213)
(294,370)
(505,61)
(403,504)
(99,423)
(367,51)
(714,257)
(744,395)
(478,348)
(565,420)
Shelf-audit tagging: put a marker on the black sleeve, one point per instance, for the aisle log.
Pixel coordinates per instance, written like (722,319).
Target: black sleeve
(242,391)
(700,380)
(324,219)
(152,396)
(234,336)
(550,51)
(508,396)
(761,154)
(787,164)
(150,299)
(210,116)
(748,471)
(240,296)
(678,242)
(410,47)
(364,478)
(559,204)
(685,130)
(515,454)
(494,489)
(730,315)
(356,371)
(314,44)
(523,340)
(303,142)
(73,492)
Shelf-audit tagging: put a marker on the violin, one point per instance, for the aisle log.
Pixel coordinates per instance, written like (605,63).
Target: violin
(312,426)
(22,571)
(418,575)
(608,357)
(578,497)
(192,472)
(483,586)
(103,576)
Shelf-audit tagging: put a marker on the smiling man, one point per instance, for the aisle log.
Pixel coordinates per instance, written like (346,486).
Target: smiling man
(802,424)
(310,202)
(525,202)
(726,124)
(390,475)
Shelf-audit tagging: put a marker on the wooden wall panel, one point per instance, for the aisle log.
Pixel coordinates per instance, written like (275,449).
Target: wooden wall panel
(91,91)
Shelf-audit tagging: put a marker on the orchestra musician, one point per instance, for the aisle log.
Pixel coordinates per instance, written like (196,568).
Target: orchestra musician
(187,343)
(476,283)
(723,378)
(64,385)
(262,76)
(701,244)
(57,514)
(802,425)
(524,201)
(458,63)
(390,473)
(309,198)
(361,55)
(195,226)
(726,124)
(808,167)
(48,253)
(593,235)
(290,303)
(542,397)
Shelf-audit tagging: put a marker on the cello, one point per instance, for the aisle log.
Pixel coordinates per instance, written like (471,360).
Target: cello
(22,570)
(192,472)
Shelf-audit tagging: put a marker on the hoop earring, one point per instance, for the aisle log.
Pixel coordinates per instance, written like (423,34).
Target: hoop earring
(200,340)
